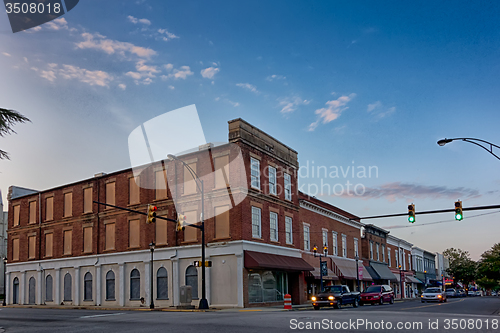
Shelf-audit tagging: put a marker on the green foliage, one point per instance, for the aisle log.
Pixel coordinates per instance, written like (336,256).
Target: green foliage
(7,119)
(489,268)
(462,267)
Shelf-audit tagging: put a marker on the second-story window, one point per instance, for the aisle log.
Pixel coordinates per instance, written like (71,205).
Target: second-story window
(288,230)
(403,259)
(325,238)
(272,180)
(344,246)
(288,187)
(273,225)
(256,222)
(255,172)
(68,204)
(307,240)
(378,251)
(409,262)
(356,253)
(334,243)
(31,247)
(49,241)
(396,256)
(87,239)
(67,241)
(371,250)
(389,256)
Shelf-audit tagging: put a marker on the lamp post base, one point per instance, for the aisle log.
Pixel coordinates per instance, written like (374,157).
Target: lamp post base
(203,304)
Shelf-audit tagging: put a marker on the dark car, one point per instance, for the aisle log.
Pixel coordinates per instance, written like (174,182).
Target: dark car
(335,296)
(377,295)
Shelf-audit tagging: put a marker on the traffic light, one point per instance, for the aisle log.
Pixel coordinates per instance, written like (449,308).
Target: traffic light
(181,222)
(458,211)
(411,213)
(151,214)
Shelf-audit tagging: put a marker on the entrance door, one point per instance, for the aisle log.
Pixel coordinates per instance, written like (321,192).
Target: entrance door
(15,291)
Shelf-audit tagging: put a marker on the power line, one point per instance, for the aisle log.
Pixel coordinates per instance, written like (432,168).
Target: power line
(437,222)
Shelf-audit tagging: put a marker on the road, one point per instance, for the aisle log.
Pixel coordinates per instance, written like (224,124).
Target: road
(415,316)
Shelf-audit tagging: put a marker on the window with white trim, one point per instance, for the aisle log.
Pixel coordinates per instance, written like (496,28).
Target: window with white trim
(288,230)
(356,253)
(409,261)
(307,240)
(371,250)
(403,259)
(396,255)
(334,243)
(256,222)
(272,180)
(273,224)
(378,252)
(288,186)
(325,237)
(344,246)
(255,172)
(389,256)
(383,253)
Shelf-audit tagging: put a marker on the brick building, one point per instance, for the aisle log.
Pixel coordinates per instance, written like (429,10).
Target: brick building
(400,263)
(66,249)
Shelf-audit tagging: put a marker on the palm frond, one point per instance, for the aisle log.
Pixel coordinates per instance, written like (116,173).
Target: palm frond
(7,119)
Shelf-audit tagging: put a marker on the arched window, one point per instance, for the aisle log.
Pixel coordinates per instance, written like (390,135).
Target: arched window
(135,285)
(87,287)
(110,286)
(192,280)
(161,283)
(48,288)
(15,291)
(67,288)
(31,290)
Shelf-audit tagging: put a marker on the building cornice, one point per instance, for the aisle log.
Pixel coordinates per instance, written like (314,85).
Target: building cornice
(328,213)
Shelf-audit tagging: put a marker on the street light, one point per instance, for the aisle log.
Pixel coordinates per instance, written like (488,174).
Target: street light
(477,142)
(357,271)
(401,281)
(325,250)
(152,248)
(203,301)
(425,278)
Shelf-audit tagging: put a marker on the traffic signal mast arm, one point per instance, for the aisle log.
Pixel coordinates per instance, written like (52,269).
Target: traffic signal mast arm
(146,213)
(428,212)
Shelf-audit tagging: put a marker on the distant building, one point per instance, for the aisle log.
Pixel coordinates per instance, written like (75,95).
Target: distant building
(442,264)
(3,242)
(400,253)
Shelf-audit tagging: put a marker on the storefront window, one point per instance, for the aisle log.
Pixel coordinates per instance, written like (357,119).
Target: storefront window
(267,286)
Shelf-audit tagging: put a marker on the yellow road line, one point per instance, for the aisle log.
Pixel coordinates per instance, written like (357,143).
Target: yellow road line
(425,306)
(250,310)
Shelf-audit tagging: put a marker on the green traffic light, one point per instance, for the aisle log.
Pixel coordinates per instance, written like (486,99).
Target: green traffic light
(458,216)
(411,219)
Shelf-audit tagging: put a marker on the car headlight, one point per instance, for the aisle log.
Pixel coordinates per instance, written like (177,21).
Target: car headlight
(376,296)
(439,296)
(313,298)
(421,295)
(331,298)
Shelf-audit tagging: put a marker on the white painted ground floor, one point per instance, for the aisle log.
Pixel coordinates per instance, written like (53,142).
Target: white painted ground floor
(123,279)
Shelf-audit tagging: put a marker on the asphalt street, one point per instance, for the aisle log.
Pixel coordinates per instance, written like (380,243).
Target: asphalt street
(479,314)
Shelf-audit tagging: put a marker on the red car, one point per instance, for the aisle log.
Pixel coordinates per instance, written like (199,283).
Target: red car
(377,294)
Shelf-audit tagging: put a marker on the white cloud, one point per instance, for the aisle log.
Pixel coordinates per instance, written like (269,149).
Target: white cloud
(68,72)
(248,86)
(389,111)
(235,104)
(132,19)
(332,110)
(209,73)
(57,24)
(145,21)
(99,42)
(122,86)
(374,106)
(273,77)
(182,73)
(290,104)
(135,20)
(167,35)
(380,112)
(25,59)
(171,87)
(6,54)
(168,67)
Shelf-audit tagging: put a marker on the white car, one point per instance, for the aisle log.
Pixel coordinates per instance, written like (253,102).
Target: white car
(433,295)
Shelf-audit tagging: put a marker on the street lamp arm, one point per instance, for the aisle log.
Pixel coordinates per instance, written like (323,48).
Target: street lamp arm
(191,171)
(473,141)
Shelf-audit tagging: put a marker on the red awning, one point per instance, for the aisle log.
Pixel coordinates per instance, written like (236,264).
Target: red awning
(266,260)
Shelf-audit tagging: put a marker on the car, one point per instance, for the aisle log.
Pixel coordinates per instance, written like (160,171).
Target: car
(493,293)
(471,293)
(450,292)
(462,293)
(433,294)
(377,294)
(336,296)
(478,293)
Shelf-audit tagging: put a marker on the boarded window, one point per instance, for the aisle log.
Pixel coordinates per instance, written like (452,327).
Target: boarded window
(221,222)
(87,200)
(87,239)
(68,204)
(161,232)
(31,247)
(15,249)
(17,210)
(49,238)
(189,180)
(110,236)
(49,208)
(133,191)
(68,235)
(134,233)
(110,193)
(190,233)
(32,212)
(221,165)
(161,184)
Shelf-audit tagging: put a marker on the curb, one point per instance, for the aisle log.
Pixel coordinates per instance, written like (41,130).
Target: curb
(104,309)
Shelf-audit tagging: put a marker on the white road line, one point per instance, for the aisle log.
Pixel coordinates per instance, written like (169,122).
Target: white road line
(103,315)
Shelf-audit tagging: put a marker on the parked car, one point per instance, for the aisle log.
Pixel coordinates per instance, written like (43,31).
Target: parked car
(494,293)
(377,294)
(478,293)
(461,293)
(433,294)
(471,293)
(336,296)
(450,292)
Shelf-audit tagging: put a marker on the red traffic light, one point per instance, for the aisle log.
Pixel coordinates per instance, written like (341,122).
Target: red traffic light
(154,208)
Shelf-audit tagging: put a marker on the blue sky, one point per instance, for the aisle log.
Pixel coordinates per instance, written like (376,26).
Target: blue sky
(343,83)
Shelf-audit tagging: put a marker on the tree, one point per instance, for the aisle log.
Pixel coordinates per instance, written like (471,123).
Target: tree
(7,119)
(462,267)
(489,268)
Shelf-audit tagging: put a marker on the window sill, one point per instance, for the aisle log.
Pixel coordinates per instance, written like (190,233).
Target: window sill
(160,199)
(222,238)
(134,247)
(133,204)
(109,250)
(190,242)
(110,300)
(259,238)
(88,300)
(86,252)
(256,188)
(134,299)
(162,299)
(67,254)
(86,213)
(275,241)
(47,257)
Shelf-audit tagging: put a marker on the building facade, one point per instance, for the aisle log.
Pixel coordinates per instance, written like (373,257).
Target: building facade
(3,244)
(399,252)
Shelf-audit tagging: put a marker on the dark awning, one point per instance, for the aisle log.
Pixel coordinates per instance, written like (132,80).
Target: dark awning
(412,279)
(266,260)
(380,272)
(331,275)
(346,268)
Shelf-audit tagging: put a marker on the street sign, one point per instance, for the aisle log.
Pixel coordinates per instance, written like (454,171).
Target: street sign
(208,263)
(324,268)
(360,272)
